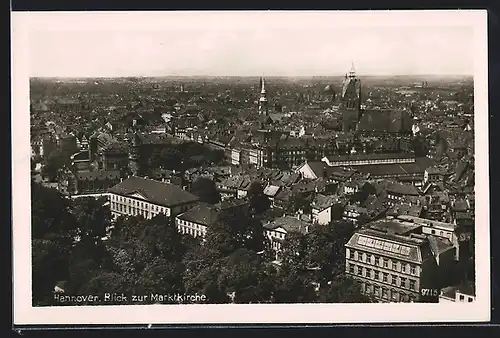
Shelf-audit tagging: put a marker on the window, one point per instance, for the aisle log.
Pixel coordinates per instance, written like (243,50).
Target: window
(393,279)
(369,273)
(433,231)
(357,270)
(376,290)
(386,263)
(351,269)
(403,282)
(385,294)
(413,269)
(386,276)
(394,266)
(403,268)
(394,296)
(412,284)
(461,298)
(470,299)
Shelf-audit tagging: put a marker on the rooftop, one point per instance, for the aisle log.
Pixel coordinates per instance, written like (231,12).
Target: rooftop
(156,192)
(289,223)
(202,213)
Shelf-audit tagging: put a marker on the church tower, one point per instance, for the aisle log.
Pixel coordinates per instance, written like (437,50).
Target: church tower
(263,104)
(134,155)
(350,100)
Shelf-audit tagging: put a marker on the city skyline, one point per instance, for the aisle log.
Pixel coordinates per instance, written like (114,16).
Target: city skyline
(269,44)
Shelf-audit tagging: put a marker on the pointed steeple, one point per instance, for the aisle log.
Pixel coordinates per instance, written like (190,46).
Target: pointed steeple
(352,72)
(263,98)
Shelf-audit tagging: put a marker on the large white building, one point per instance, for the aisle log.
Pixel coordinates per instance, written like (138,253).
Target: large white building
(148,198)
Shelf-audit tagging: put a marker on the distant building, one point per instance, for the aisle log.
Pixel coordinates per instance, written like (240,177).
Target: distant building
(350,101)
(139,196)
(95,182)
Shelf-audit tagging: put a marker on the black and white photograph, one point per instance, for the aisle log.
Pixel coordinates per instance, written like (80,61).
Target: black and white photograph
(227,167)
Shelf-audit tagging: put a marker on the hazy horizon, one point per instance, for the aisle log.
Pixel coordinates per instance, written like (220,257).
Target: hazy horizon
(241,44)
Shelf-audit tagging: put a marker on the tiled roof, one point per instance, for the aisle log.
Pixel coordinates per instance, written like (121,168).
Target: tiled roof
(154,191)
(385,121)
(322,202)
(202,213)
(439,245)
(97,175)
(271,190)
(289,223)
(403,189)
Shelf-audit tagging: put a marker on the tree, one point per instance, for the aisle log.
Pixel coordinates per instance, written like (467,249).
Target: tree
(163,239)
(206,190)
(243,273)
(92,217)
(56,160)
(49,213)
(257,200)
(49,265)
(344,290)
(294,250)
(166,158)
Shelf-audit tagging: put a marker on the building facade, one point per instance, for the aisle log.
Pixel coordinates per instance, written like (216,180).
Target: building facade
(139,196)
(390,267)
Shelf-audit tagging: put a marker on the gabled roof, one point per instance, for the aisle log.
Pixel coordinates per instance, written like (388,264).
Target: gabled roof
(156,192)
(203,213)
(322,202)
(289,224)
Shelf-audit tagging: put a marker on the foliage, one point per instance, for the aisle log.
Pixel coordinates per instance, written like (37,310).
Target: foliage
(206,190)
(257,200)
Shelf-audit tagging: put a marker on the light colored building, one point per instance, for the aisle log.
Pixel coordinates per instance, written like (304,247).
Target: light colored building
(277,230)
(196,220)
(148,198)
(393,262)
(368,159)
(321,208)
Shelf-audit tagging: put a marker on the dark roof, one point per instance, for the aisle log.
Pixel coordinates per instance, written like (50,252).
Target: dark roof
(322,202)
(202,213)
(98,175)
(366,157)
(417,167)
(391,121)
(439,245)
(154,191)
(393,226)
(317,167)
(403,189)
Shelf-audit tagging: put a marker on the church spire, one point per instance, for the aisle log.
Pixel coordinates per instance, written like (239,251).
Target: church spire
(352,72)
(263,98)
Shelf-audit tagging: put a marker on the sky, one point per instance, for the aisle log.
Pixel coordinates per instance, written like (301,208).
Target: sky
(248,44)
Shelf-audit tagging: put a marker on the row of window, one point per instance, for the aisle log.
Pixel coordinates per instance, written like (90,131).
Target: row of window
(190,231)
(379,161)
(387,294)
(402,282)
(382,262)
(192,225)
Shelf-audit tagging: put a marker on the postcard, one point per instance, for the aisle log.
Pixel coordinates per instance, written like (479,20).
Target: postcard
(247,167)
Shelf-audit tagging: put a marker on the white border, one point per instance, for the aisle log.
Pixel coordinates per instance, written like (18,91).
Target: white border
(24,313)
